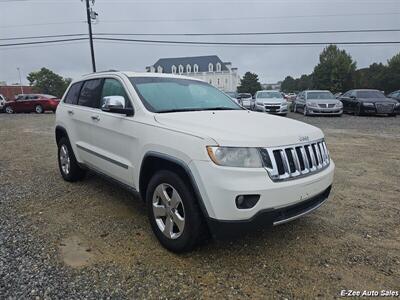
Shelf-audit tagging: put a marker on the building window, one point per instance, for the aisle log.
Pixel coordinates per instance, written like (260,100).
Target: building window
(195,68)
(218,67)
(180,69)
(173,69)
(210,67)
(188,69)
(159,69)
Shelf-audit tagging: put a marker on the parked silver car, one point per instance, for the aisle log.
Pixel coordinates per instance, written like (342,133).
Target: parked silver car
(317,102)
(271,102)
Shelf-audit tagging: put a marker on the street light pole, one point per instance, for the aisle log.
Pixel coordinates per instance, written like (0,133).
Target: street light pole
(90,35)
(20,80)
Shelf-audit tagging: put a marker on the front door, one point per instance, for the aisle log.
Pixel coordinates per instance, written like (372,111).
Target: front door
(115,137)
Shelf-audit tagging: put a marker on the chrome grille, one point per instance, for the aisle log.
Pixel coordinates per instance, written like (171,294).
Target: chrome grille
(384,108)
(291,162)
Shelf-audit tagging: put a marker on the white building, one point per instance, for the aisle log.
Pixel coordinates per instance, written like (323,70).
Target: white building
(208,68)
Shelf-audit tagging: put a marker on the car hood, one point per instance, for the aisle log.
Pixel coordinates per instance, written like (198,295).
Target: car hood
(270,100)
(241,128)
(377,100)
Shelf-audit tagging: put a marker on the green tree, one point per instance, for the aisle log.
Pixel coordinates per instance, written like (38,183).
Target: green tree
(249,83)
(392,76)
(334,71)
(47,82)
(289,85)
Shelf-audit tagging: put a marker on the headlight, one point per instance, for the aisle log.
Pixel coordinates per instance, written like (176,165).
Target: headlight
(284,103)
(235,157)
(311,104)
(339,104)
(368,104)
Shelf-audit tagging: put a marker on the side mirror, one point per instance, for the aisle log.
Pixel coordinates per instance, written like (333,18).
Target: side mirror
(116,104)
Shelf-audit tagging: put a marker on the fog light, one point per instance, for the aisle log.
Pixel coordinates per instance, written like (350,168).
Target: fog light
(246,201)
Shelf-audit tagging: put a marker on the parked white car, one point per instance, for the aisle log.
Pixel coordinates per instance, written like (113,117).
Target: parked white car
(271,102)
(199,161)
(245,100)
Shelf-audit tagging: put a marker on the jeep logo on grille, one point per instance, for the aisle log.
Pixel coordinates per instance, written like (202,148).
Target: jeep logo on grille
(304,138)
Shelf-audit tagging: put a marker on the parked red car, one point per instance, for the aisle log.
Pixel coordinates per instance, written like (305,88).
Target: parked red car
(38,103)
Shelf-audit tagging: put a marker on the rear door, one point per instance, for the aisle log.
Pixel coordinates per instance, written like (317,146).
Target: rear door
(115,139)
(82,118)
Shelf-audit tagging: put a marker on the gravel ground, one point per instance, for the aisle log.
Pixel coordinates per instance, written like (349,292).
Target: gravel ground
(91,239)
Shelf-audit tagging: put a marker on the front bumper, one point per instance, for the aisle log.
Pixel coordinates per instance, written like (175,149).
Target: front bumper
(325,111)
(219,186)
(267,217)
(278,110)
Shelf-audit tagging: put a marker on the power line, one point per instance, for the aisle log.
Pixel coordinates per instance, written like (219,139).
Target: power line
(251,33)
(42,36)
(245,43)
(42,42)
(205,34)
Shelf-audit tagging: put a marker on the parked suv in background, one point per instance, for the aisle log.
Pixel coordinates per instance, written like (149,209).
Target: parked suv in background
(38,103)
(271,102)
(317,102)
(200,161)
(369,102)
(2,102)
(395,96)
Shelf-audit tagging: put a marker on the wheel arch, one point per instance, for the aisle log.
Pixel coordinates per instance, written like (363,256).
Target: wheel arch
(60,132)
(154,161)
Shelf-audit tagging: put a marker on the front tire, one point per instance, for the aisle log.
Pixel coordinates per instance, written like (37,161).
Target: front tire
(9,110)
(67,163)
(173,212)
(305,111)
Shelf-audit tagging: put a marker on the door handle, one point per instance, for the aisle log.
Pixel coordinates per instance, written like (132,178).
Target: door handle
(71,112)
(95,118)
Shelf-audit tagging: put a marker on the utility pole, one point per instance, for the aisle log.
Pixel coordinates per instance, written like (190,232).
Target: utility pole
(20,81)
(89,20)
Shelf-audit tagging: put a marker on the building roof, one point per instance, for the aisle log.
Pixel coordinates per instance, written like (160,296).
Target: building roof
(201,61)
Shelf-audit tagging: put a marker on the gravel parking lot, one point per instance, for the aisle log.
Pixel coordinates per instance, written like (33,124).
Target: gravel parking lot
(92,239)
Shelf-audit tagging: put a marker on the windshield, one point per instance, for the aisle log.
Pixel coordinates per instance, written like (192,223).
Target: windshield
(245,95)
(370,94)
(320,95)
(269,95)
(160,94)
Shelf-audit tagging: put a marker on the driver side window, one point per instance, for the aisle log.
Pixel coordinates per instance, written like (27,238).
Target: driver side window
(112,87)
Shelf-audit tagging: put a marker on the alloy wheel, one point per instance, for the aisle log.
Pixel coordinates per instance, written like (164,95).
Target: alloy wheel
(9,110)
(65,160)
(38,109)
(168,211)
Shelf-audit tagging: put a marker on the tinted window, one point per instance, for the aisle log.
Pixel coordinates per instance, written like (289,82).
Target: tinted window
(90,93)
(370,94)
(112,87)
(73,93)
(172,94)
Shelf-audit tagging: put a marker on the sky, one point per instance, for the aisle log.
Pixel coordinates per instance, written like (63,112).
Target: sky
(22,18)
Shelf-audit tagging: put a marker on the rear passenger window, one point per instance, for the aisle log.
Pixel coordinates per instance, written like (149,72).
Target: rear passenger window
(112,87)
(90,93)
(73,93)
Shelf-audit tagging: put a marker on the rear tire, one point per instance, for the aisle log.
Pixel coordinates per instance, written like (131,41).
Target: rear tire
(67,163)
(163,190)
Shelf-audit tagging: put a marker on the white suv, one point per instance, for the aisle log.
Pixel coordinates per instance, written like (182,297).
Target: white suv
(202,163)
